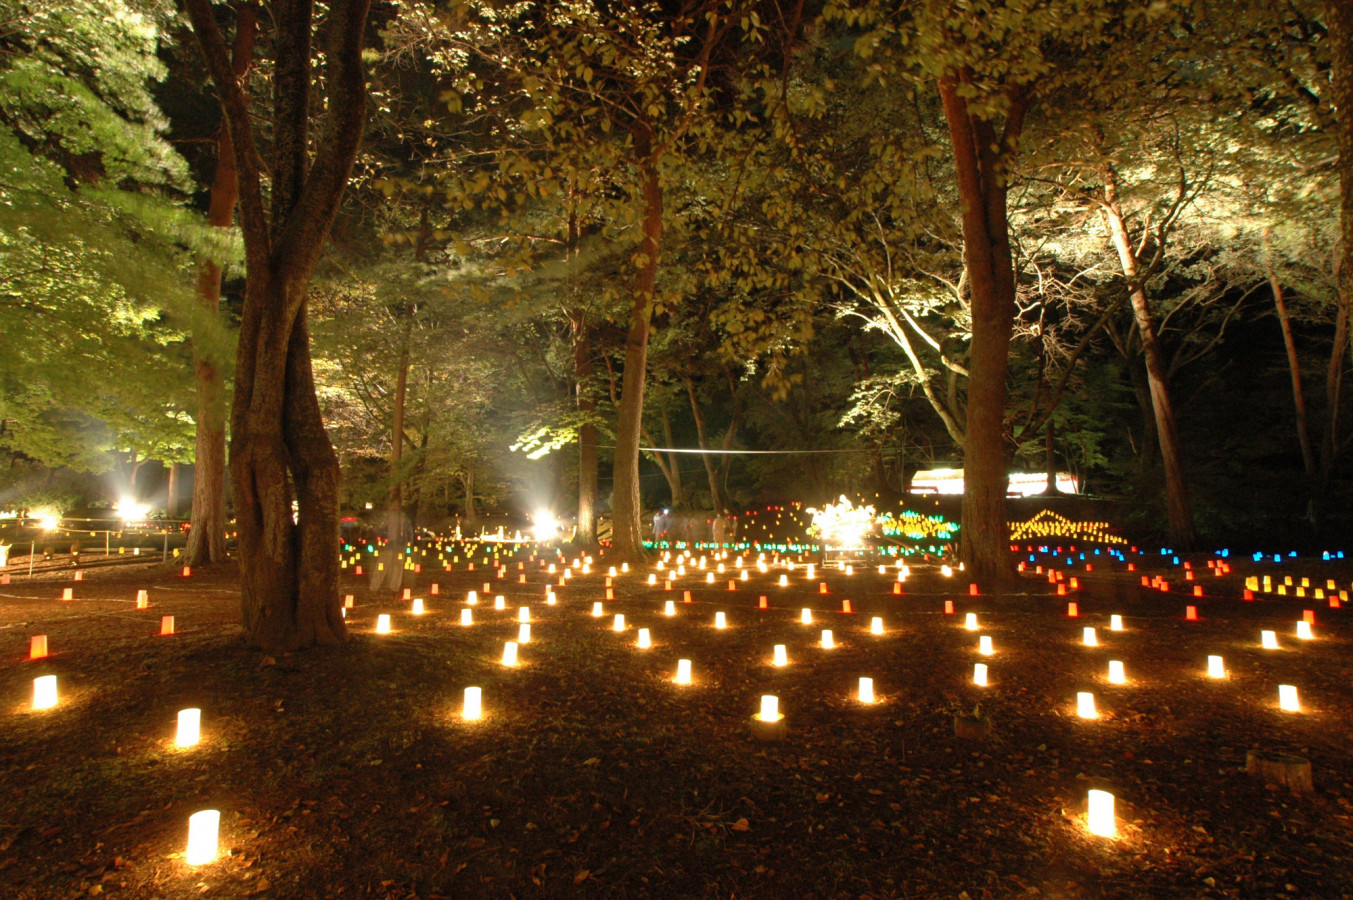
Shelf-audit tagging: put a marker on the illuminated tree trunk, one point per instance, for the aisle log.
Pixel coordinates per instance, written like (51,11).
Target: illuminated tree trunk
(586,532)
(279,450)
(626,535)
(207,534)
(389,574)
(1178,510)
(981,162)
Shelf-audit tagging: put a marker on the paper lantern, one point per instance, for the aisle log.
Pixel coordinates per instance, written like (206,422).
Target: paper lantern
(383,623)
(203,828)
(784,581)
(418,606)
(1088,637)
(166,625)
(44,692)
(1269,640)
(1304,630)
(1287,698)
(472,598)
(876,625)
(1116,673)
(828,642)
(866,693)
(781,657)
(466,617)
(347,601)
(37,646)
(979,674)
(618,623)
(652,579)
(683,672)
(1072,610)
(770,708)
(984,645)
(189,728)
(500,602)
(510,653)
(1215,668)
(408,593)
(1100,820)
(1085,705)
(806,616)
(970,621)
(68,593)
(473,707)
(142,599)
(644,642)
(523,613)
(597,610)
(524,633)
(669,609)
(1115,622)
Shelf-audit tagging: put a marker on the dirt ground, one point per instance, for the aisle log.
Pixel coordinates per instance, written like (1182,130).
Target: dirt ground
(350,773)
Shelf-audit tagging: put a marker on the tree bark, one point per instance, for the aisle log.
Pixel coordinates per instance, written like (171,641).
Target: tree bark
(280,452)
(1178,511)
(171,494)
(1294,369)
(389,573)
(586,531)
(207,531)
(981,161)
(627,540)
(715,495)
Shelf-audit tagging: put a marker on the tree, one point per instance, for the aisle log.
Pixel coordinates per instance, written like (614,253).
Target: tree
(280,451)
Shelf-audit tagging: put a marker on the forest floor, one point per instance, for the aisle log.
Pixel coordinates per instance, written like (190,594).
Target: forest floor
(349,772)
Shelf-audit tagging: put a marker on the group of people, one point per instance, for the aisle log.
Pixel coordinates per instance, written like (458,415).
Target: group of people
(692,527)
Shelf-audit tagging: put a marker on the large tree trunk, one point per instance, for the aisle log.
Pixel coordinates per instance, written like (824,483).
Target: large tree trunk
(586,533)
(280,452)
(171,494)
(627,539)
(711,474)
(207,532)
(1178,512)
(673,468)
(981,160)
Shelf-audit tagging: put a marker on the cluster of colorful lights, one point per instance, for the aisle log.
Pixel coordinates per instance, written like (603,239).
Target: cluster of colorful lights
(1048,524)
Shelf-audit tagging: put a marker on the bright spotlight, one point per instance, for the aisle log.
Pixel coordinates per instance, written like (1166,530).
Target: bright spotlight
(546,526)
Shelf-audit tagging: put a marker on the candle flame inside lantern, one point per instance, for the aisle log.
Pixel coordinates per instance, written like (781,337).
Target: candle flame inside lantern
(189,728)
(784,581)
(524,633)
(770,708)
(720,620)
(683,672)
(1269,639)
(1287,698)
(1085,705)
(1089,638)
(510,653)
(203,828)
(1116,673)
(618,623)
(472,598)
(970,621)
(466,617)
(418,606)
(876,625)
(1101,819)
(644,642)
(670,608)
(828,642)
(866,690)
(984,645)
(473,708)
(979,674)
(383,623)
(1304,630)
(523,613)
(597,610)
(781,657)
(44,692)
(500,602)
(1215,668)
(806,617)
(1115,623)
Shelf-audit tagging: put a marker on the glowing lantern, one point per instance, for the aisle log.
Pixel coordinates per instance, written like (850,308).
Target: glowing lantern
(524,633)
(523,613)
(770,708)
(1287,698)
(1101,820)
(618,623)
(383,623)
(644,642)
(1269,640)
(510,653)
(472,598)
(784,581)
(1304,630)
(597,611)
(683,672)
(984,645)
(876,625)
(970,621)
(1088,637)
(1115,623)
(203,828)
(670,608)
(781,657)
(806,617)
(44,692)
(500,602)
(720,620)
(1215,668)
(1072,609)
(473,708)
(866,690)
(1085,705)
(466,617)
(142,600)
(652,579)
(418,606)
(408,593)
(828,642)
(1116,673)
(37,646)
(68,593)
(979,674)
(189,728)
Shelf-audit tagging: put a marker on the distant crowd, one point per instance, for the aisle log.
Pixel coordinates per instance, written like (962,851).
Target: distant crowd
(695,526)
